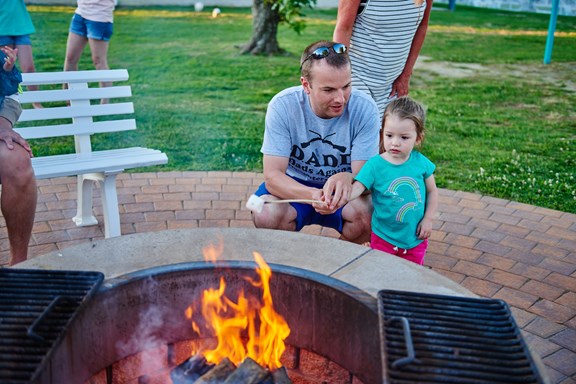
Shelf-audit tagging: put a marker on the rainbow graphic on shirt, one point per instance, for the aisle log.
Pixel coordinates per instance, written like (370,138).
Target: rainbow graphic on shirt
(404,209)
(410,183)
(407,181)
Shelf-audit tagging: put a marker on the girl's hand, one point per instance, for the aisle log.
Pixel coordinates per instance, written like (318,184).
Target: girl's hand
(10,59)
(321,208)
(424,230)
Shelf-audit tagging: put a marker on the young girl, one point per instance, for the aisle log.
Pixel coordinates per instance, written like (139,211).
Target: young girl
(404,193)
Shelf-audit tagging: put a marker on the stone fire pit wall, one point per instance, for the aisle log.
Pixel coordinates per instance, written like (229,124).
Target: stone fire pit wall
(145,309)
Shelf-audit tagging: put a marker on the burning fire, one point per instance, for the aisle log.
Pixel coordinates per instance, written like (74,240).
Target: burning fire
(247,327)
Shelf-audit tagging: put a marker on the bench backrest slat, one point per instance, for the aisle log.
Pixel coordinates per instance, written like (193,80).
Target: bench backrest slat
(75,112)
(78,102)
(76,94)
(40,78)
(76,129)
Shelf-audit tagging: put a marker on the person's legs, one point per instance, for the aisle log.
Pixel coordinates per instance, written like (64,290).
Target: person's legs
(99,49)
(18,198)
(74,48)
(26,59)
(356,216)
(274,216)
(99,35)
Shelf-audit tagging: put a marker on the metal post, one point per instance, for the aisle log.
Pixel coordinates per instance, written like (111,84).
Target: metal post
(452,5)
(551,30)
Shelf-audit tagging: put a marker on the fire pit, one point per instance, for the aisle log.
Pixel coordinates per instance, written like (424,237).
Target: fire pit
(137,315)
(143,312)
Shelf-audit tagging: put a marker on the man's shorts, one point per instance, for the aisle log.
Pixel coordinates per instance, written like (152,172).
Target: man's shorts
(15,40)
(305,214)
(91,29)
(10,109)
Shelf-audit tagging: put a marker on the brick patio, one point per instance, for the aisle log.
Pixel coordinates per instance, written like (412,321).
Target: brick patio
(496,248)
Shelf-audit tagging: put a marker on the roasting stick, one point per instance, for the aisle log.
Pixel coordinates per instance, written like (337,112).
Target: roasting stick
(256,203)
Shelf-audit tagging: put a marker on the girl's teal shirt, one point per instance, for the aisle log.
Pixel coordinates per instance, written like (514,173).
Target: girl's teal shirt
(15,19)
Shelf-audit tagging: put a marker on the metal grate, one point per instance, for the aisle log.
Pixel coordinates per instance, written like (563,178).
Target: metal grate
(36,307)
(429,338)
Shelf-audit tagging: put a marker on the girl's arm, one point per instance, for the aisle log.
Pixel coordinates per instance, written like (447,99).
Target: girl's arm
(10,77)
(425,226)
(357,189)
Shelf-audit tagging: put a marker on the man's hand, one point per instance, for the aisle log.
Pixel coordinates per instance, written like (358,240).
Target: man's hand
(11,56)
(336,191)
(9,136)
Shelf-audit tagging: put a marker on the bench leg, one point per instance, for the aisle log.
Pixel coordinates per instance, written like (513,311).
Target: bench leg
(84,216)
(110,206)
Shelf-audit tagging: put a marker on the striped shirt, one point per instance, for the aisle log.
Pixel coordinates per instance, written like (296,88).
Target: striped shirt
(380,44)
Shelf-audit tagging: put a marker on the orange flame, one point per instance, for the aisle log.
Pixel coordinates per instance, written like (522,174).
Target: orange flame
(249,327)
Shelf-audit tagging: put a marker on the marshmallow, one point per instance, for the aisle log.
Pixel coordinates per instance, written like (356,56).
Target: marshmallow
(255,204)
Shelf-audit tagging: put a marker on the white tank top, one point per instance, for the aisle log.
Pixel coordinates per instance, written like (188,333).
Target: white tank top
(96,10)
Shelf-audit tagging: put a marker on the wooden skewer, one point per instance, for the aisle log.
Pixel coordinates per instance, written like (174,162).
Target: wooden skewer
(256,203)
(294,201)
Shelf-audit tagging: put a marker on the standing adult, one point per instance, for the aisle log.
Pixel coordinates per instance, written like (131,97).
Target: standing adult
(15,30)
(92,24)
(317,137)
(385,38)
(19,193)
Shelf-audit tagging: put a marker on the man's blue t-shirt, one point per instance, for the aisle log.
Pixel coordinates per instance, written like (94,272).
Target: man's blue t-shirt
(318,148)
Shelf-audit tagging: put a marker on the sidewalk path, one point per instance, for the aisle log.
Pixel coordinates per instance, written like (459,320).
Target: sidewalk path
(496,248)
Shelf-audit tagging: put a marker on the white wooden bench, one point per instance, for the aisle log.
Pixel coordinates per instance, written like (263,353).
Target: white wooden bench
(73,114)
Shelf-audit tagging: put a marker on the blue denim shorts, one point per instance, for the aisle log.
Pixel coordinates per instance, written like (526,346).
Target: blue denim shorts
(15,40)
(91,29)
(305,214)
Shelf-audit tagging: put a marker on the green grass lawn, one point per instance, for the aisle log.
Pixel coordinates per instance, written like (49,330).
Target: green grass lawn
(507,131)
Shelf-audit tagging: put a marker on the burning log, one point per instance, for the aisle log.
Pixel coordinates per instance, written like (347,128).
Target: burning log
(190,370)
(218,374)
(280,376)
(249,331)
(249,372)
(196,370)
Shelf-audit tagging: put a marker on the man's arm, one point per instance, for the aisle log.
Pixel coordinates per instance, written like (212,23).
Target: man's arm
(283,186)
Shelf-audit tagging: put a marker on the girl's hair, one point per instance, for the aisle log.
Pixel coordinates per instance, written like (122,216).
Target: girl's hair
(405,108)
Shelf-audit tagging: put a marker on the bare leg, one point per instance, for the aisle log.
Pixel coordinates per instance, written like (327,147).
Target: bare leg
(99,49)
(18,199)
(357,216)
(275,216)
(74,47)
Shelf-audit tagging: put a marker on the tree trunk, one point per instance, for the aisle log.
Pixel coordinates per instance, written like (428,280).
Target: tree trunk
(265,22)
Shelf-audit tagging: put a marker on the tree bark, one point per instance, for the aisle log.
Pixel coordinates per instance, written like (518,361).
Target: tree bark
(265,22)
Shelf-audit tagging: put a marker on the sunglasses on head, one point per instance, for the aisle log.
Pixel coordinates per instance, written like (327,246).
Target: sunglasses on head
(322,52)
